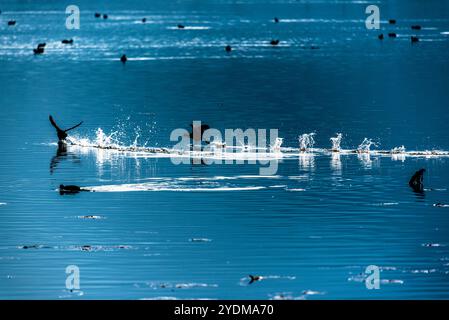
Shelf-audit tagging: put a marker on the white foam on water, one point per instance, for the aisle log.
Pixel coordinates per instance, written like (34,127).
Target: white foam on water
(190,28)
(172,188)
(3,203)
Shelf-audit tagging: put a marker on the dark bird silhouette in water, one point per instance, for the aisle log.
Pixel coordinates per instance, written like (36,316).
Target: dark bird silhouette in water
(416,181)
(276,19)
(105,16)
(416,27)
(392,21)
(70,189)
(144,20)
(11,22)
(197,134)
(38,50)
(228,48)
(97,15)
(42,45)
(381,36)
(62,134)
(180,26)
(392,35)
(414,39)
(254,278)
(65,41)
(274,42)
(123,58)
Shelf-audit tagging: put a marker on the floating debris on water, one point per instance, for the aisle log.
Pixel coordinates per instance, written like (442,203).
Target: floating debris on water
(91,217)
(432,245)
(200,240)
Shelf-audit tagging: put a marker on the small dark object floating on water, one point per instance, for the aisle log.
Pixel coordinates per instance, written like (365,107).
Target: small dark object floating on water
(39,49)
(254,278)
(414,39)
(392,21)
(228,48)
(276,20)
(65,41)
(11,22)
(392,35)
(416,27)
(123,58)
(274,42)
(97,15)
(105,16)
(144,20)
(180,26)
(70,189)
(381,36)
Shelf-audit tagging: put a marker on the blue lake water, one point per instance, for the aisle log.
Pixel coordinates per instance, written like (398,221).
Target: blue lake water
(198,231)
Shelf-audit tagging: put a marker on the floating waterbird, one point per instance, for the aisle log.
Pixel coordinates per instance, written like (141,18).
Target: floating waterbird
(180,26)
(416,27)
(392,35)
(105,16)
(11,22)
(414,39)
(228,48)
(416,181)
(70,189)
(254,278)
(38,50)
(144,20)
(274,42)
(392,21)
(65,41)
(276,20)
(381,36)
(123,58)
(97,15)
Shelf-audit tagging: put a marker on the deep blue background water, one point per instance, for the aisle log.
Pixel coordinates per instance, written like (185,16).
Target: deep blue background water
(353,213)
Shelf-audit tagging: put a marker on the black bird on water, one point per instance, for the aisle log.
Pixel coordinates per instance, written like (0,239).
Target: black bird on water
(414,39)
(392,21)
(276,20)
(70,189)
(274,42)
(416,181)
(228,48)
(40,48)
(97,15)
(144,20)
(254,278)
(392,35)
(11,22)
(381,36)
(123,58)
(105,16)
(62,134)
(416,27)
(180,26)
(65,41)
(196,134)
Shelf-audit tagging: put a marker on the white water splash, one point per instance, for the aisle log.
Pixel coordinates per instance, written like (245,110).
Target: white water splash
(276,147)
(397,150)
(365,146)
(306,141)
(336,141)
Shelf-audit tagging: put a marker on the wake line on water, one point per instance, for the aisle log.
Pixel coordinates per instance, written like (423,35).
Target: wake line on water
(104,142)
